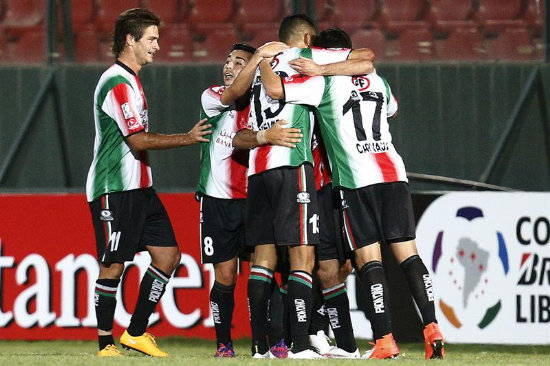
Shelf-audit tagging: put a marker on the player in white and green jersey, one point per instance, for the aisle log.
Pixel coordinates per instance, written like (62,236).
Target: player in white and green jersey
(126,212)
(281,205)
(222,186)
(376,201)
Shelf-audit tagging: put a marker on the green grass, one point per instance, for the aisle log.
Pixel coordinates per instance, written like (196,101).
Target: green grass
(199,353)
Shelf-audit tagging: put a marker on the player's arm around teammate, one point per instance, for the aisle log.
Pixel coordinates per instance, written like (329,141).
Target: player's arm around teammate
(127,214)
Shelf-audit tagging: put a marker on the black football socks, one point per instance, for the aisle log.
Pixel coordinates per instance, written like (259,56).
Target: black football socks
(337,310)
(259,292)
(153,285)
(222,303)
(299,296)
(420,283)
(105,304)
(375,287)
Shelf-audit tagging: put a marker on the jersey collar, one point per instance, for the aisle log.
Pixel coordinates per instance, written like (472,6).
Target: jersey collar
(121,64)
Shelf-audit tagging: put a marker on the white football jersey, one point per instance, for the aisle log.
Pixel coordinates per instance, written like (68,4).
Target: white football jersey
(353,114)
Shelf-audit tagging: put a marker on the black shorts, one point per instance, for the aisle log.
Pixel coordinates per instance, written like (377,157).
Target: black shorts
(378,213)
(125,222)
(331,245)
(221,228)
(281,207)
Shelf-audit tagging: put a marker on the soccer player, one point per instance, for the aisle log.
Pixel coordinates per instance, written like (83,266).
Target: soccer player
(126,212)
(376,201)
(282,206)
(222,186)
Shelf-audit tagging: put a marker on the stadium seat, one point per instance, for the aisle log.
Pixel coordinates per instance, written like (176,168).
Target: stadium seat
(211,16)
(255,16)
(82,12)
(86,46)
(169,11)
(512,44)
(411,45)
(262,36)
(352,17)
(175,44)
(447,15)
(497,15)
(24,15)
(109,10)
(533,16)
(215,47)
(370,38)
(30,47)
(464,44)
(3,51)
(398,15)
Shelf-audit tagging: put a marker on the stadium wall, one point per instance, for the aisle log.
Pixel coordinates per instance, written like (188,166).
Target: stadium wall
(450,120)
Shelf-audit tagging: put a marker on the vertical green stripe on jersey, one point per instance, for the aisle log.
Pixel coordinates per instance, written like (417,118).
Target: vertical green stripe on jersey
(109,157)
(206,164)
(329,119)
(306,53)
(111,147)
(387,89)
(301,120)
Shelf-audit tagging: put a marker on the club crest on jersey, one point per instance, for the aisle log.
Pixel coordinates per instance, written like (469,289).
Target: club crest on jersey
(361,82)
(106,215)
(303,197)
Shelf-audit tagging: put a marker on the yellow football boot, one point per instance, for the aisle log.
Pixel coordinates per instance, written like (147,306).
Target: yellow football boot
(109,351)
(144,343)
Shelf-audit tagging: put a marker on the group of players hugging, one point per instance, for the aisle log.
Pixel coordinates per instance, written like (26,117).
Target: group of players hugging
(298,176)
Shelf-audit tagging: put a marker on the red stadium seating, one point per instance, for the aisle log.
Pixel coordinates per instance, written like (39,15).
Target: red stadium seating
(353,15)
(255,16)
(169,11)
(175,44)
(86,46)
(24,15)
(447,15)
(30,47)
(464,44)
(533,16)
(211,16)
(3,50)
(370,38)
(109,10)
(262,36)
(82,12)
(512,44)
(497,15)
(412,45)
(398,15)
(215,47)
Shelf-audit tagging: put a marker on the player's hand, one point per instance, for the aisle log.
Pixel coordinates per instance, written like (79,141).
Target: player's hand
(306,66)
(198,131)
(283,136)
(271,49)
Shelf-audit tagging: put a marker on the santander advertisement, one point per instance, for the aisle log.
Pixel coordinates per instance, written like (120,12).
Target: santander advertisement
(48,270)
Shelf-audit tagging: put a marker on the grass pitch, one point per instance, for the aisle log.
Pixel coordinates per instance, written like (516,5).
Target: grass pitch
(200,353)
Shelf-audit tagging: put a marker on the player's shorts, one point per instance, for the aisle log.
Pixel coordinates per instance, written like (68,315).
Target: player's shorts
(125,222)
(377,213)
(221,228)
(331,244)
(281,207)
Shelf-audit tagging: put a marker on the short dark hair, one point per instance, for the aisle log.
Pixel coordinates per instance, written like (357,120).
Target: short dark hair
(332,38)
(133,22)
(243,47)
(293,23)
